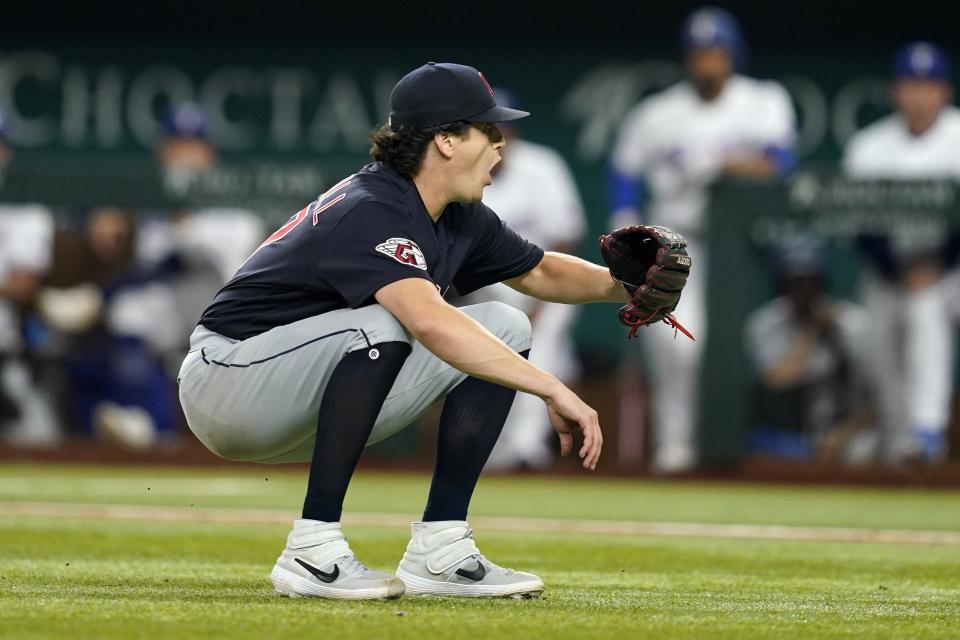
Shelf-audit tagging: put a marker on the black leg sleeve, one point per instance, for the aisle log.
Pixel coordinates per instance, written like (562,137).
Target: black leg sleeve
(348,411)
(472,419)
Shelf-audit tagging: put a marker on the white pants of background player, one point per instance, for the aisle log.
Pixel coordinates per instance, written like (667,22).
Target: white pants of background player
(258,399)
(37,424)
(914,349)
(674,372)
(527,430)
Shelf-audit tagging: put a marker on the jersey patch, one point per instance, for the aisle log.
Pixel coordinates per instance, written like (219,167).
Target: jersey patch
(403,251)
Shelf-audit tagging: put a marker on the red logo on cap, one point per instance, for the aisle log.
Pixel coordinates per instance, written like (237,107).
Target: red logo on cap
(485,83)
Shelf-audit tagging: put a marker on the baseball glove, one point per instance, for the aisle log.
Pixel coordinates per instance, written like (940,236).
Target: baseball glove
(652,264)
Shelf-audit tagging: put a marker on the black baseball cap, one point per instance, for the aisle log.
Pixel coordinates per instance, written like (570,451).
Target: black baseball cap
(442,92)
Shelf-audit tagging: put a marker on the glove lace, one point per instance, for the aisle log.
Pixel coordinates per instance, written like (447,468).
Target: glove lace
(670,320)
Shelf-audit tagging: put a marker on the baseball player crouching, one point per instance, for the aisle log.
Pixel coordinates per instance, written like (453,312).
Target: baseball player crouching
(334,335)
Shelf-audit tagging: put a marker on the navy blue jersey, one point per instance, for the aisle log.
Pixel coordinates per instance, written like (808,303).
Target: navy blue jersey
(365,232)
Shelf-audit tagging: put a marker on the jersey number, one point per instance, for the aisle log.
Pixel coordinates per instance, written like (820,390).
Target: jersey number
(318,206)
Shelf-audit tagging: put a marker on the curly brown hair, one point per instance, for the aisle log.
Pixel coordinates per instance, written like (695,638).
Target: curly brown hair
(404,148)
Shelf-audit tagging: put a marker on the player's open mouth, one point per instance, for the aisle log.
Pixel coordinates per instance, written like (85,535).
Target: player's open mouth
(490,172)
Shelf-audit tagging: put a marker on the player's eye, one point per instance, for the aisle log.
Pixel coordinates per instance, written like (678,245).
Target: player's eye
(490,130)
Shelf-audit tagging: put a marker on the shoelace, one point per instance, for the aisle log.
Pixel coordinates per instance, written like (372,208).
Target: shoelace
(351,562)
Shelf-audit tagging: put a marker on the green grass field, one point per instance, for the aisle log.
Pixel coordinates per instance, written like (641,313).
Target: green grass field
(164,563)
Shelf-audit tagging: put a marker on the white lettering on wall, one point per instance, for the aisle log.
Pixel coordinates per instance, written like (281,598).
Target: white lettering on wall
(35,71)
(812,110)
(600,99)
(296,108)
(288,88)
(603,96)
(92,98)
(146,90)
(341,117)
(222,87)
(850,99)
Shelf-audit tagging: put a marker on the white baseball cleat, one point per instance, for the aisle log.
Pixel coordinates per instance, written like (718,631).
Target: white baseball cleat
(443,560)
(318,562)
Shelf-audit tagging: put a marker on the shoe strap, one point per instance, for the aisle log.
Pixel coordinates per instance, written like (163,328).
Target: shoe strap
(322,543)
(315,533)
(324,554)
(453,554)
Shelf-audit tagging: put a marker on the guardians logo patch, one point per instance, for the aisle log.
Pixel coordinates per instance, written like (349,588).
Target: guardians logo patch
(403,251)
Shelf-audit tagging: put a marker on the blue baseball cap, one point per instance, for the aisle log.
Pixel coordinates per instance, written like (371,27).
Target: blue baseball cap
(800,259)
(709,27)
(186,120)
(443,92)
(921,61)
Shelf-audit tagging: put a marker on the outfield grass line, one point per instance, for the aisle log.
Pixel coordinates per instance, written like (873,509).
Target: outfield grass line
(537,525)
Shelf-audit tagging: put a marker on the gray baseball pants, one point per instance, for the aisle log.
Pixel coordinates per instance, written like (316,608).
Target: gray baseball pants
(257,399)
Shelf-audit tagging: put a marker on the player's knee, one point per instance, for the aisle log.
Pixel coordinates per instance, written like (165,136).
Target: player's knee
(227,448)
(228,451)
(507,323)
(379,326)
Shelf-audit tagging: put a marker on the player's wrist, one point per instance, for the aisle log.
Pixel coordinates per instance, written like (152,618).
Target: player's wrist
(552,389)
(616,291)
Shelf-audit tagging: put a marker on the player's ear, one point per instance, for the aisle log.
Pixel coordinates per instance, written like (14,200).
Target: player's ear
(445,143)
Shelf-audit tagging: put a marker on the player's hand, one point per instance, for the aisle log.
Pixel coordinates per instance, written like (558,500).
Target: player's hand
(569,414)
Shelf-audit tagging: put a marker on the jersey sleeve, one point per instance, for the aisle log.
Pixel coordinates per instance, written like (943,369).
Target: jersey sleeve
(29,242)
(629,157)
(856,156)
(775,120)
(497,253)
(371,247)
(563,221)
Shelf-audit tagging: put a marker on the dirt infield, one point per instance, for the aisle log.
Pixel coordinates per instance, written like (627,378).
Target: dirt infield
(539,525)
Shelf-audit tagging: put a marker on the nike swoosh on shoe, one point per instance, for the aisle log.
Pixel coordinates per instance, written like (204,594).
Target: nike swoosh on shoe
(476,574)
(322,576)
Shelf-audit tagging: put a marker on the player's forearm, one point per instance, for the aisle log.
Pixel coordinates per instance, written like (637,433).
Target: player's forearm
(564,278)
(465,344)
(20,286)
(791,369)
(756,168)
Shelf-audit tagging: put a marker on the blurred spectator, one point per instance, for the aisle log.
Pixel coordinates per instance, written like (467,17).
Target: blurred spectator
(905,290)
(191,252)
(811,357)
(673,145)
(123,300)
(534,193)
(117,386)
(26,236)
(223,236)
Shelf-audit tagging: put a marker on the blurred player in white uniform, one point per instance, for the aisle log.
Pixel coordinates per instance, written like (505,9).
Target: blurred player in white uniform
(534,192)
(670,148)
(26,240)
(194,252)
(186,256)
(906,288)
(226,236)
